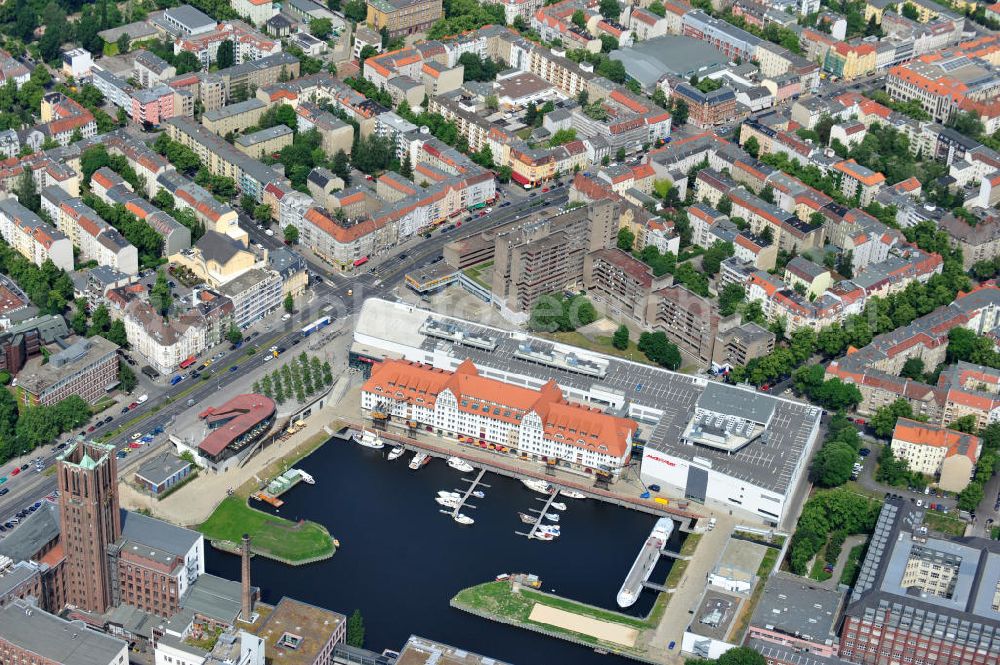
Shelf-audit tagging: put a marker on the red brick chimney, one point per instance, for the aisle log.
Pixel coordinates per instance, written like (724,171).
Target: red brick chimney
(246,608)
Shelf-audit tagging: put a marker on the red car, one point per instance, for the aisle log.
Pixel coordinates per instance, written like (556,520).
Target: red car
(134,445)
(91,428)
(15,472)
(133,405)
(545,189)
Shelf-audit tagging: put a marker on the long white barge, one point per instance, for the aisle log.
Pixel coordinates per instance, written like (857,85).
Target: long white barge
(645,562)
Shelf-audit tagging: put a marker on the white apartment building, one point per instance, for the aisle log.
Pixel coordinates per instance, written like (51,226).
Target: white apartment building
(164,343)
(255,11)
(33,238)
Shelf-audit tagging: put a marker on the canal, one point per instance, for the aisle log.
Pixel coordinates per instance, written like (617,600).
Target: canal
(401,560)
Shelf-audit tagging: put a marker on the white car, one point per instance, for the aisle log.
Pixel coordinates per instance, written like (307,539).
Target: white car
(286,316)
(142,399)
(268,356)
(136,436)
(269,232)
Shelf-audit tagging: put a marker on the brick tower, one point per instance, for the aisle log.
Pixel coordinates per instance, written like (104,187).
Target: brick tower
(89,520)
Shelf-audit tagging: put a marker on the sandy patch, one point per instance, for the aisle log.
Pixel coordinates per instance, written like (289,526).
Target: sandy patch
(606,631)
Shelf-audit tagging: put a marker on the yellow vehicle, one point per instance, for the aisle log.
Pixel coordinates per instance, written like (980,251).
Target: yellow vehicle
(661,500)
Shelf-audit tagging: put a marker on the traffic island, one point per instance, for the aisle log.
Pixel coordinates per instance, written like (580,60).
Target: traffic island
(293,543)
(509,602)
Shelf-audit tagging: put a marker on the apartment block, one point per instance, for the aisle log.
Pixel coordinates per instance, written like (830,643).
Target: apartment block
(403,17)
(33,238)
(96,239)
(689,321)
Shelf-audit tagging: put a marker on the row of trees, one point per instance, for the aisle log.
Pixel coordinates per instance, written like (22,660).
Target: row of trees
(23,430)
(299,378)
(660,350)
(98,322)
(48,287)
(148,242)
(834,462)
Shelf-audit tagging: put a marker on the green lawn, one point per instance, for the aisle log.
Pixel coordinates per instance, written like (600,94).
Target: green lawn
(945,524)
(853,564)
(499,600)
(475,273)
(269,535)
(601,344)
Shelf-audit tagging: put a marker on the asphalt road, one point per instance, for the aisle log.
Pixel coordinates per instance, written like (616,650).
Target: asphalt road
(329,297)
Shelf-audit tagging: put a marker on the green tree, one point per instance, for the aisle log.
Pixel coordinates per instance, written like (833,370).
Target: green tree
(233,334)
(610,9)
(320,27)
(116,333)
(679,112)
(730,298)
(620,339)
(752,147)
(126,377)
(656,7)
(225,57)
(660,350)
(741,656)
(579,19)
(27,192)
(913,368)
(406,168)
(291,234)
(884,420)
(160,296)
(289,303)
(123,43)
(626,239)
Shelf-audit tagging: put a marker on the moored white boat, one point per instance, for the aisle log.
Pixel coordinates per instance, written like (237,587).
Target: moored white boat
(463,519)
(370,439)
(419,460)
(479,494)
(449,495)
(572,494)
(552,517)
(306,478)
(548,528)
(537,485)
(396,452)
(527,519)
(544,535)
(447,501)
(556,505)
(459,464)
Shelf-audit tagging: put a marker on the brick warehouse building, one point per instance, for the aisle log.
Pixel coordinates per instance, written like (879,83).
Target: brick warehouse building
(921,600)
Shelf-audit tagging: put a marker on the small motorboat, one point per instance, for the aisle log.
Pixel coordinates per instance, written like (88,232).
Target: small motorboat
(527,519)
(552,517)
(556,505)
(479,494)
(572,494)
(544,535)
(459,464)
(396,453)
(537,485)
(464,520)
(549,528)
(449,495)
(447,501)
(419,460)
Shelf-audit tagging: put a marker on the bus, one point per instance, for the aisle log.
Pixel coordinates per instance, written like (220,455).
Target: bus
(360,262)
(190,360)
(316,325)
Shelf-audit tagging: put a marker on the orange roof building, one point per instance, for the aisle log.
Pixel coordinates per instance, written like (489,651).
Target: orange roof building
(937,451)
(535,423)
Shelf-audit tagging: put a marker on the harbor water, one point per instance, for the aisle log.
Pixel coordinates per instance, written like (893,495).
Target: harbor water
(401,560)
